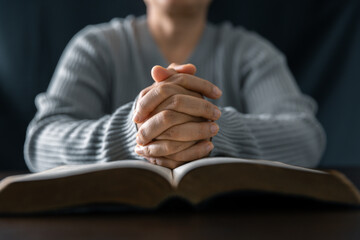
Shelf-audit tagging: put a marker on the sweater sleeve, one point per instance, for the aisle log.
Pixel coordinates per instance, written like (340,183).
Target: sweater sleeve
(278,122)
(73,124)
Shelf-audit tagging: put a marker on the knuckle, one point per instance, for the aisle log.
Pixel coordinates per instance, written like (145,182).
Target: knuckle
(167,117)
(179,79)
(163,90)
(166,148)
(208,108)
(147,151)
(141,105)
(171,133)
(176,102)
(144,91)
(181,76)
(142,134)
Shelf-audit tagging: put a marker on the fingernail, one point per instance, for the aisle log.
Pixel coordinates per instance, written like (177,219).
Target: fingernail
(178,67)
(136,118)
(217,91)
(139,150)
(138,140)
(209,147)
(217,113)
(214,128)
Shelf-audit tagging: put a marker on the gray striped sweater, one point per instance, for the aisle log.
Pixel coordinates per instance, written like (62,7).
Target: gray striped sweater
(86,114)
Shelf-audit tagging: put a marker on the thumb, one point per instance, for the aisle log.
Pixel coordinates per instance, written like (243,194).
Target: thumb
(160,74)
(184,68)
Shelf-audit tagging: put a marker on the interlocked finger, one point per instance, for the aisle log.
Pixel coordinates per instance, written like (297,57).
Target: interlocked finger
(200,150)
(153,97)
(164,162)
(159,123)
(190,105)
(196,84)
(190,131)
(162,148)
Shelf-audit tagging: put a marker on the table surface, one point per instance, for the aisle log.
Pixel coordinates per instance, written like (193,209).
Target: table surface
(255,217)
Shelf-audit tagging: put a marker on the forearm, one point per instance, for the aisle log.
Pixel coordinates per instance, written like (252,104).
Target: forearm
(294,138)
(59,139)
(274,121)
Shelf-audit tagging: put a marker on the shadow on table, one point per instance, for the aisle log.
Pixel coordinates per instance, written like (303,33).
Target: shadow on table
(229,203)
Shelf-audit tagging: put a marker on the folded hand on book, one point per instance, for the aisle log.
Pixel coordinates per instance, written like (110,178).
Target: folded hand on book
(173,118)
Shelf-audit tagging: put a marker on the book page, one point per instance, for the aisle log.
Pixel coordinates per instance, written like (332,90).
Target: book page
(70,170)
(181,171)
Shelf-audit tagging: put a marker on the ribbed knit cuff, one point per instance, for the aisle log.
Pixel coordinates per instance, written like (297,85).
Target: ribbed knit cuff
(234,138)
(121,135)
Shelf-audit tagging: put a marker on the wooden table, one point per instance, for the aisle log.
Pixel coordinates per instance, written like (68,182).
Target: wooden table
(241,217)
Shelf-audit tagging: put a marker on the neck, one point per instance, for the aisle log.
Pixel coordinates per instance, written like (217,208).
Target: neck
(176,36)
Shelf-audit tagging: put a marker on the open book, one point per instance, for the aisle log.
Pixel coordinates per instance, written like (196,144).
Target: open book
(141,184)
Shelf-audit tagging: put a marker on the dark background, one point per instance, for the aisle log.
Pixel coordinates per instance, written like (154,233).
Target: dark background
(321,40)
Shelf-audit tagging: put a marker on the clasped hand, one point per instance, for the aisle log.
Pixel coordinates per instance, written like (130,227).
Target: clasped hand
(175,123)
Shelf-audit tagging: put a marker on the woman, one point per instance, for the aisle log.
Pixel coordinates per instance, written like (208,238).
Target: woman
(102,85)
